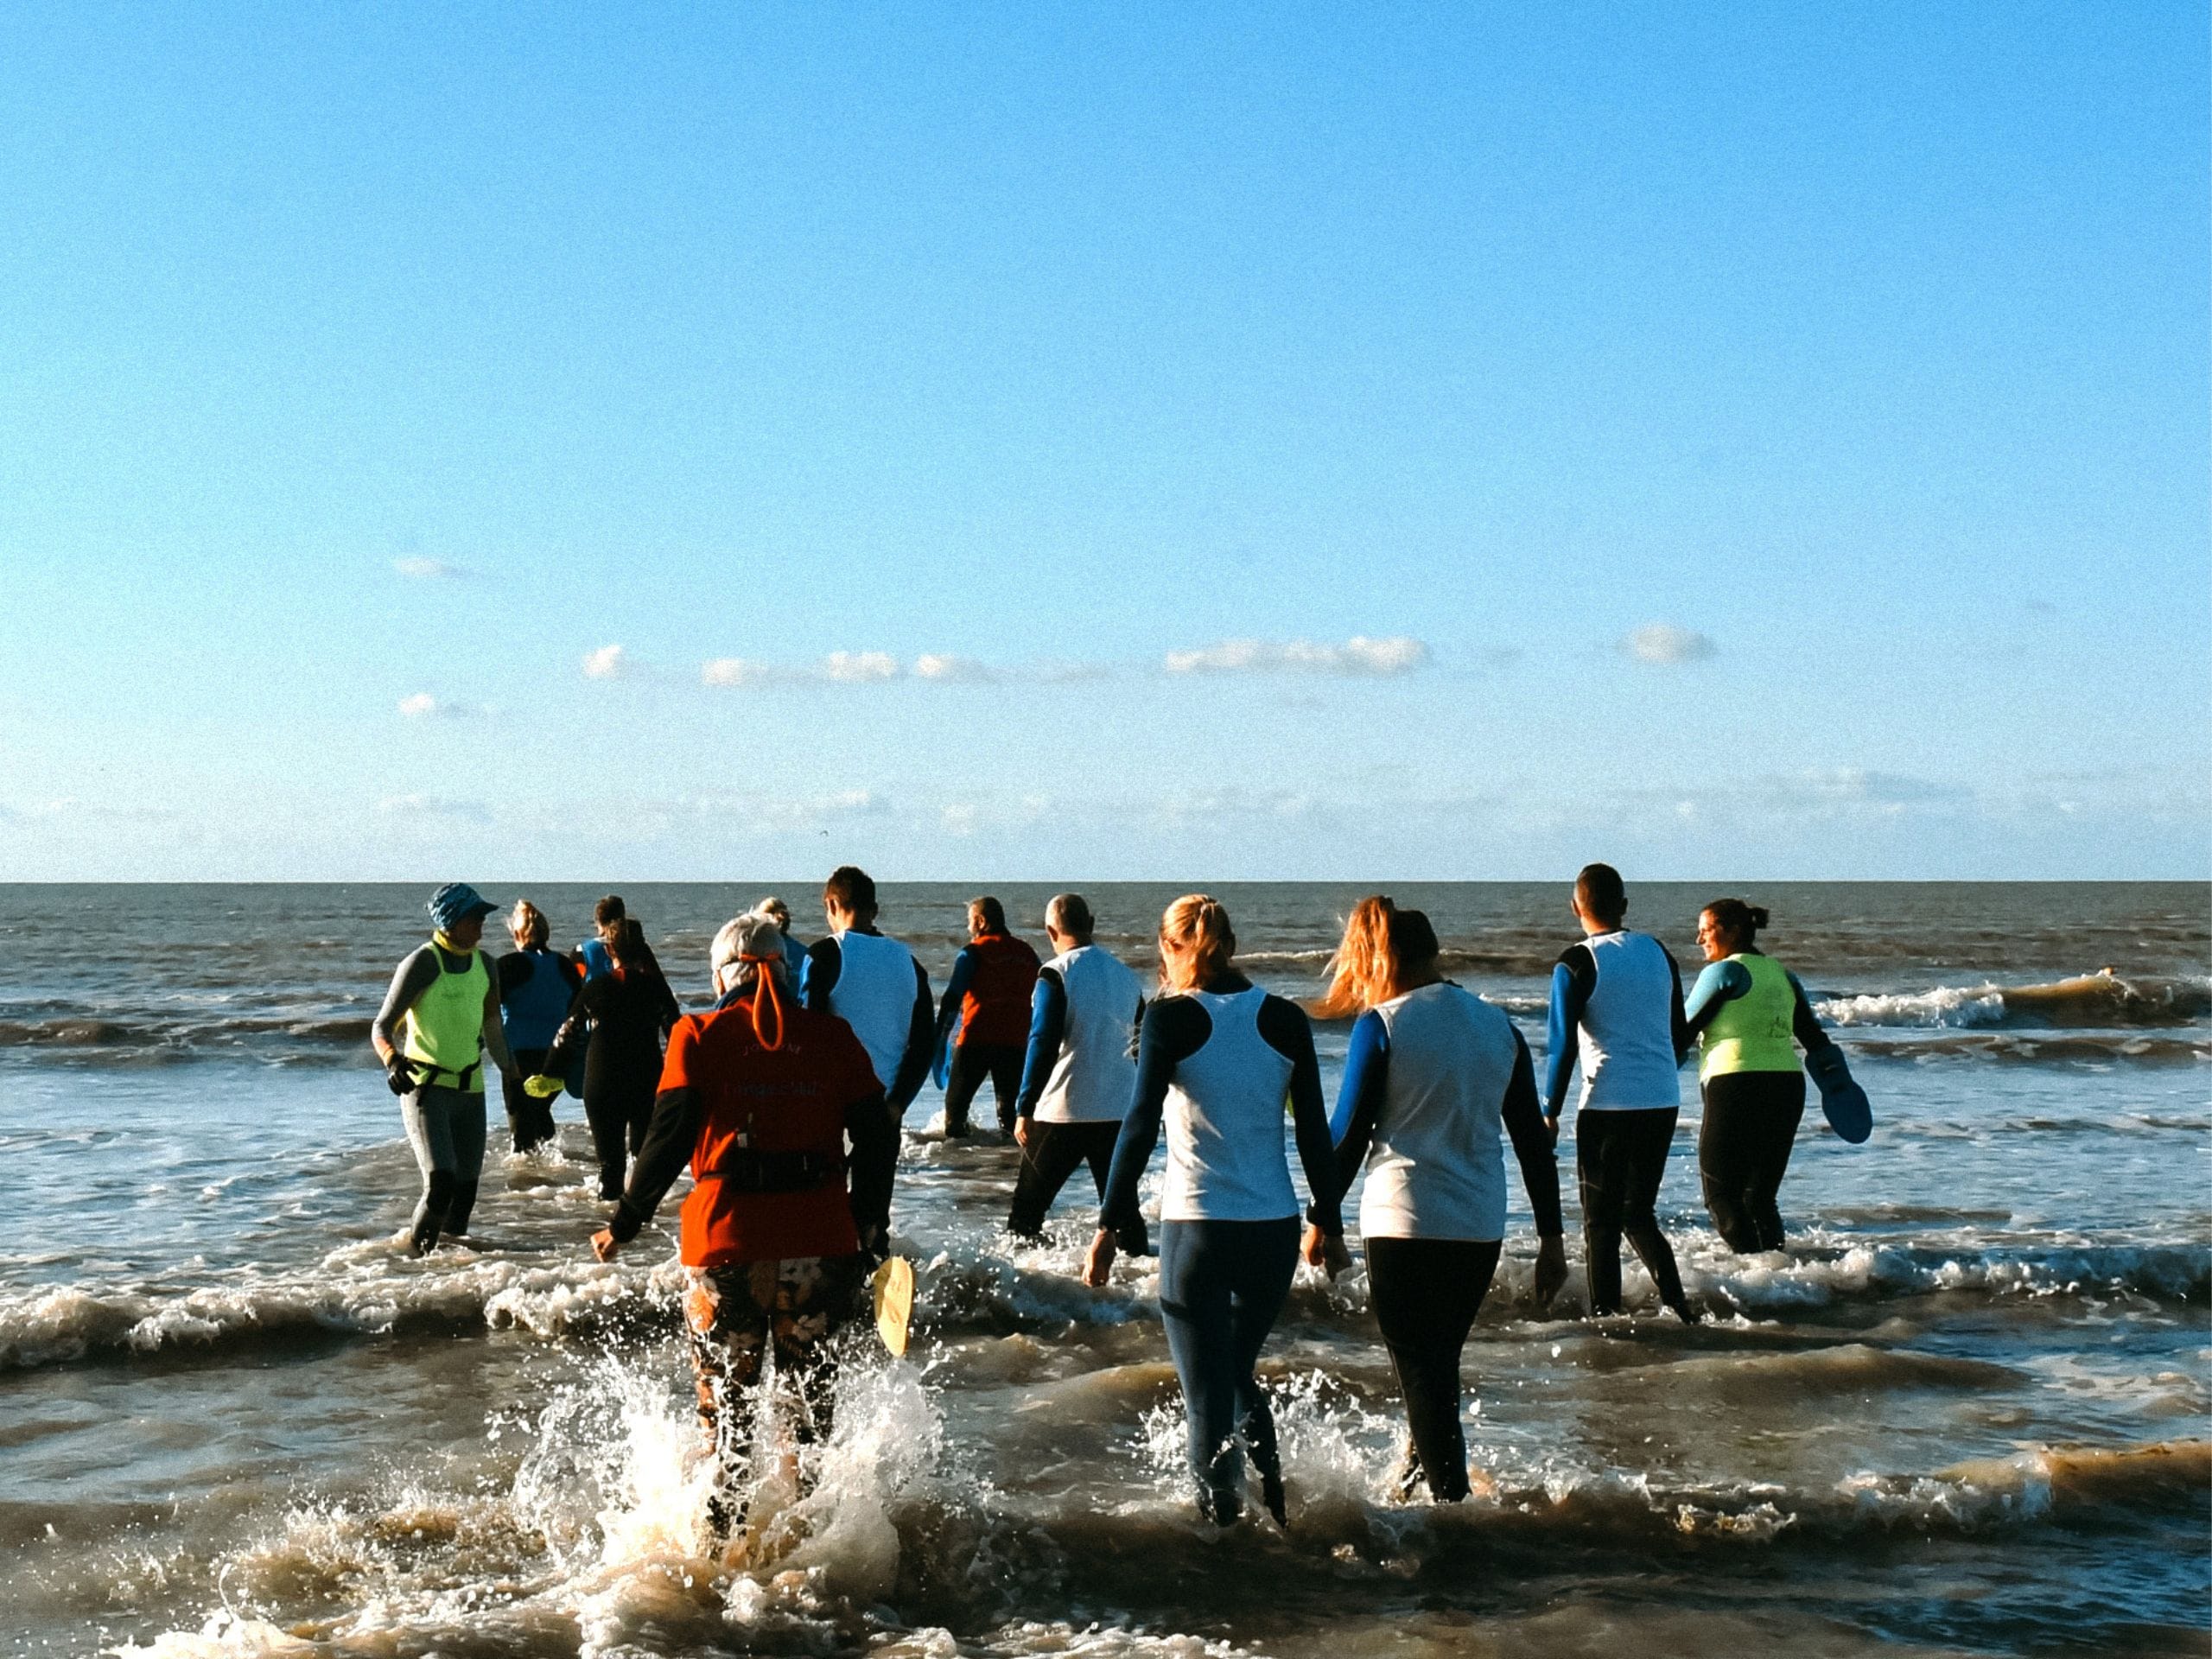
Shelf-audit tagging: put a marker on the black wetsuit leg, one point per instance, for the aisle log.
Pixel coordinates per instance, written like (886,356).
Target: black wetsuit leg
(1222,1283)
(1055,1151)
(530,1121)
(1426,1293)
(445,1127)
(1620,1159)
(1743,1152)
(1004,1062)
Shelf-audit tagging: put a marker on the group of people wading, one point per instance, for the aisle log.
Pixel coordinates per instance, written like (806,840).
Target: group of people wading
(785,1100)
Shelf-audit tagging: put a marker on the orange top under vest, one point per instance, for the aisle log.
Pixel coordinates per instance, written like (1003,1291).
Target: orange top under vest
(787,1099)
(996,1007)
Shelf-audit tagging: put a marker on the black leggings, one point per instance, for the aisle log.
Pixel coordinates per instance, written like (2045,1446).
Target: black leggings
(1426,1293)
(1751,1124)
(1221,1285)
(1054,1151)
(1619,1160)
(618,1108)
(971,1064)
(529,1120)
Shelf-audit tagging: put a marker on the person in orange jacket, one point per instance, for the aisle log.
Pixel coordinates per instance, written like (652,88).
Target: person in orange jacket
(988,1002)
(760,1097)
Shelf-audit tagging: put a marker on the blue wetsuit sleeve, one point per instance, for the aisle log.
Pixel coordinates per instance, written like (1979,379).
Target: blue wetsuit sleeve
(948,1010)
(1359,1097)
(1532,1143)
(1172,1030)
(1573,980)
(1048,1025)
(1721,982)
(824,961)
(921,1045)
(1367,1064)
(1678,1019)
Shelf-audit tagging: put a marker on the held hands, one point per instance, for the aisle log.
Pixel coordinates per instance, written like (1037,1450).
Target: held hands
(1322,1251)
(607,1247)
(1551,1127)
(1100,1259)
(1551,1270)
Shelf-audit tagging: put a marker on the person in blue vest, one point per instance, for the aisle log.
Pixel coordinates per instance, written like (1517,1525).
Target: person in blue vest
(1616,1010)
(874,985)
(440,1017)
(537,985)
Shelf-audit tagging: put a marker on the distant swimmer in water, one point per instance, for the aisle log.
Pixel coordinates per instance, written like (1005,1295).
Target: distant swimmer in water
(761,1097)
(440,1016)
(1432,1075)
(1077,1074)
(986,1000)
(1616,1010)
(874,985)
(1749,1015)
(1216,1057)
(616,1022)
(794,952)
(537,985)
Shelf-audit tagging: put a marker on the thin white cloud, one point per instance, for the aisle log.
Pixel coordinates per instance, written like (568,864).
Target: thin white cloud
(1359,656)
(607,662)
(858,666)
(953,668)
(1662,642)
(427,569)
(423,706)
(738,671)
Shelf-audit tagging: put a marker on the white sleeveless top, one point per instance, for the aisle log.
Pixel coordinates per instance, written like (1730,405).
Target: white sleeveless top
(1627,1032)
(1094,1077)
(875,994)
(1226,1123)
(1436,1169)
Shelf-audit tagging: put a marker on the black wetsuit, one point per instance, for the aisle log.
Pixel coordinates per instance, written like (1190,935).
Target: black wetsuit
(1749,1128)
(623,1016)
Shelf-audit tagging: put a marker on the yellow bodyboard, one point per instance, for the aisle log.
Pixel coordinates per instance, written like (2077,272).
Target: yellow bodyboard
(895,1302)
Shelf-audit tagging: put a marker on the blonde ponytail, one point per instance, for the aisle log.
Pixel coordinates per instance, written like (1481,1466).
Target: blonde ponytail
(1196,926)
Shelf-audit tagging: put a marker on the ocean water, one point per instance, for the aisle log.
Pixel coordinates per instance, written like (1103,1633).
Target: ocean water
(1967,1410)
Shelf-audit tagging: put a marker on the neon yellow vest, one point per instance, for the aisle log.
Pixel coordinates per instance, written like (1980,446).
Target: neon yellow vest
(443,1030)
(1753,1032)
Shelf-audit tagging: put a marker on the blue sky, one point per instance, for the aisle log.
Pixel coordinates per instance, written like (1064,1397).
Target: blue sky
(1061,443)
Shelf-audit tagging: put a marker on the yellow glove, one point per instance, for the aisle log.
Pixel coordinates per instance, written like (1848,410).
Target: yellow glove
(541,1088)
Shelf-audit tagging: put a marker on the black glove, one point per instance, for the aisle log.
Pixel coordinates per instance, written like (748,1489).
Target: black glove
(399,1073)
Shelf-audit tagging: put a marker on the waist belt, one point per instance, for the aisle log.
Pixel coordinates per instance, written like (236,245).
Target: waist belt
(746,1170)
(425,1073)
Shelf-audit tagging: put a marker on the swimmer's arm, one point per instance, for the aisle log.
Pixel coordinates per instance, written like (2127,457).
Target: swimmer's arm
(825,960)
(921,1044)
(670,1137)
(1286,1029)
(1359,1097)
(1573,978)
(1532,1143)
(963,971)
(575,1030)
(1172,1030)
(1721,982)
(874,1134)
(1677,1018)
(1804,1024)
(495,1029)
(415,974)
(1048,1023)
